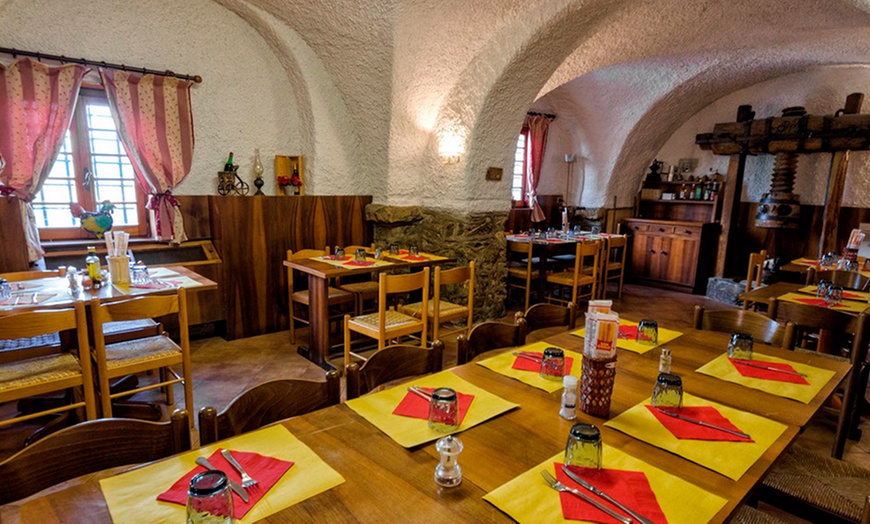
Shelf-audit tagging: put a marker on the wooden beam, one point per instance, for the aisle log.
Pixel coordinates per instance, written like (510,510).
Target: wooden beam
(730,209)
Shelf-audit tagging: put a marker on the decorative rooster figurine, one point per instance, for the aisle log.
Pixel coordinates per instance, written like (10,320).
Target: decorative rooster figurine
(94,222)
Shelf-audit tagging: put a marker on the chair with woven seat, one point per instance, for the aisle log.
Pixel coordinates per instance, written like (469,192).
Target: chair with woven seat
(49,373)
(521,269)
(89,447)
(268,403)
(613,263)
(759,326)
(754,275)
(547,317)
(586,257)
(24,348)
(441,311)
(393,363)
(336,298)
(143,354)
(845,279)
(388,324)
(488,336)
(364,289)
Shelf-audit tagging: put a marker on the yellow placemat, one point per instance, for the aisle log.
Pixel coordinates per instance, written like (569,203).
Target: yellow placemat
(171,277)
(721,367)
(853,294)
(731,459)
(132,496)
(502,364)
(852,306)
(528,498)
(378,409)
(665,336)
(344,263)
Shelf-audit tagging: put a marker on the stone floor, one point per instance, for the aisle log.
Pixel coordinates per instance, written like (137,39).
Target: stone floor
(223,369)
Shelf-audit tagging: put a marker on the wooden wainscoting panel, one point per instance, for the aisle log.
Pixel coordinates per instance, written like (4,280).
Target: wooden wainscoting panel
(197,218)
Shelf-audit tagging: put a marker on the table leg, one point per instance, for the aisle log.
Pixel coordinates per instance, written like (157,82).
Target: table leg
(318,327)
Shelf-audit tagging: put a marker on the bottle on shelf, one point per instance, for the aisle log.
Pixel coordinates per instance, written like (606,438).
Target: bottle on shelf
(699,191)
(683,192)
(229,164)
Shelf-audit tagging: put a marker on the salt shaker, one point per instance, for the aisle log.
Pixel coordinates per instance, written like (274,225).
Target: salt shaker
(569,398)
(447,472)
(72,277)
(665,361)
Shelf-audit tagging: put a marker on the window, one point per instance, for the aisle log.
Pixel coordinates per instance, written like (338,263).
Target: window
(518,182)
(91,167)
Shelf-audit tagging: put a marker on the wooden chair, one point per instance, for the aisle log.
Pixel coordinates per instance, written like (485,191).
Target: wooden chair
(521,269)
(267,403)
(45,374)
(613,263)
(441,311)
(845,279)
(142,354)
(578,278)
(89,447)
(389,324)
(30,347)
(364,290)
(487,336)
(393,363)
(547,316)
(753,276)
(336,297)
(759,326)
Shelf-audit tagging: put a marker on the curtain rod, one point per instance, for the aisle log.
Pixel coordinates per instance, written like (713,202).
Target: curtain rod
(84,61)
(548,115)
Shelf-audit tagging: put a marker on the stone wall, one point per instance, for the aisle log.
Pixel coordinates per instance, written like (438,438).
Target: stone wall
(473,236)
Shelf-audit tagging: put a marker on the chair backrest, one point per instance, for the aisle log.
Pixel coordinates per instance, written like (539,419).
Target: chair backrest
(585,249)
(542,316)
(457,275)
(846,279)
(151,306)
(18,276)
(299,255)
(755,270)
(490,335)
(88,447)
(759,326)
(806,317)
(267,403)
(616,247)
(393,363)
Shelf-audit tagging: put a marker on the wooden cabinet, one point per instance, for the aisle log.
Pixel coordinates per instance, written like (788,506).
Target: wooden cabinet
(676,253)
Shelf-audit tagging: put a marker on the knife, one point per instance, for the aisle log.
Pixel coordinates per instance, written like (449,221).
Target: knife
(527,356)
(605,496)
(702,423)
(759,366)
(235,486)
(420,392)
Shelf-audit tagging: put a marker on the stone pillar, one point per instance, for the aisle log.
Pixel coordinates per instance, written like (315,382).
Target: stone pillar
(474,236)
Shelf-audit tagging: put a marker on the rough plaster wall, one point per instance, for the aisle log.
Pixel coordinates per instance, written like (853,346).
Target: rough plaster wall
(241,104)
(822,91)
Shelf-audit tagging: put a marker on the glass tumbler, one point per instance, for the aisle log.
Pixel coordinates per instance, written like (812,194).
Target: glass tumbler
(834,296)
(339,253)
(139,274)
(668,391)
(394,249)
(360,255)
(823,287)
(5,289)
(584,446)
(553,364)
(209,500)
(828,260)
(413,250)
(648,332)
(740,346)
(379,253)
(444,410)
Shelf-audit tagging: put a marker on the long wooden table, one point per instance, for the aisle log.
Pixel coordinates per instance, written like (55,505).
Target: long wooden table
(319,275)
(386,482)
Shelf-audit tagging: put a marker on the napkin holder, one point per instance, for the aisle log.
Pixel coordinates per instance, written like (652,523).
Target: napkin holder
(596,385)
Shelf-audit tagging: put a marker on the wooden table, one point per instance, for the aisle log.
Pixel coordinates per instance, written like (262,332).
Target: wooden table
(385,482)
(319,275)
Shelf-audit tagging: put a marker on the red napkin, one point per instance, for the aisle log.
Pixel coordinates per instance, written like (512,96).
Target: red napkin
(267,471)
(415,406)
(847,294)
(631,488)
(154,284)
(628,332)
(810,262)
(333,257)
(525,364)
(817,302)
(689,430)
(555,240)
(754,372)
(415,258)
(521,235)
(355,263)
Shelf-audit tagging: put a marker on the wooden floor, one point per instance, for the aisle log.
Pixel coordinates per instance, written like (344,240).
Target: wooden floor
(223,369)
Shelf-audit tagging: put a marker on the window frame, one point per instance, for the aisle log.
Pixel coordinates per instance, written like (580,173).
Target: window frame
(523,201)
(81,159)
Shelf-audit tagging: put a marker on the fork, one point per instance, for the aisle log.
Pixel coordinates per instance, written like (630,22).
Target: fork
(247,481)
(558,486)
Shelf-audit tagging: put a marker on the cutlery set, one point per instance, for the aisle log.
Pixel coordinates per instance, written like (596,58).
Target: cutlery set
(701,423)
(770,368)
(528,356)
(239,489)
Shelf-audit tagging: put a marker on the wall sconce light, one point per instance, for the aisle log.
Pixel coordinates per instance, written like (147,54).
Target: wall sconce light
(451,143)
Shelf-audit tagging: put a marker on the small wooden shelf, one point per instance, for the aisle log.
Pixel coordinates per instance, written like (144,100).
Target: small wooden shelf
(691,202)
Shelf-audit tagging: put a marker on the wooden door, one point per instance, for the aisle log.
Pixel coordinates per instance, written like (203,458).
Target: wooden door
(682,260)
(641,254)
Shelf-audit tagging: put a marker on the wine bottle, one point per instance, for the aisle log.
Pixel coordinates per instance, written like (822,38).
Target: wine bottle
(229,165)
(93,264)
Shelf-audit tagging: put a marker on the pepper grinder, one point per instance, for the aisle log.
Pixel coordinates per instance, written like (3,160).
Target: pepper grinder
(447,472)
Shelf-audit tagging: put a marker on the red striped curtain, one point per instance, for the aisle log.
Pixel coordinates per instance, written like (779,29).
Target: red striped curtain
(539,125)
(155,123)
(36,106)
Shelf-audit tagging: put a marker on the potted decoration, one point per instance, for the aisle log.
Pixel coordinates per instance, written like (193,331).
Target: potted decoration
(286,184)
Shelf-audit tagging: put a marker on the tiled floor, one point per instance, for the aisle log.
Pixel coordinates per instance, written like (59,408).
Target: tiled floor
(223,369)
